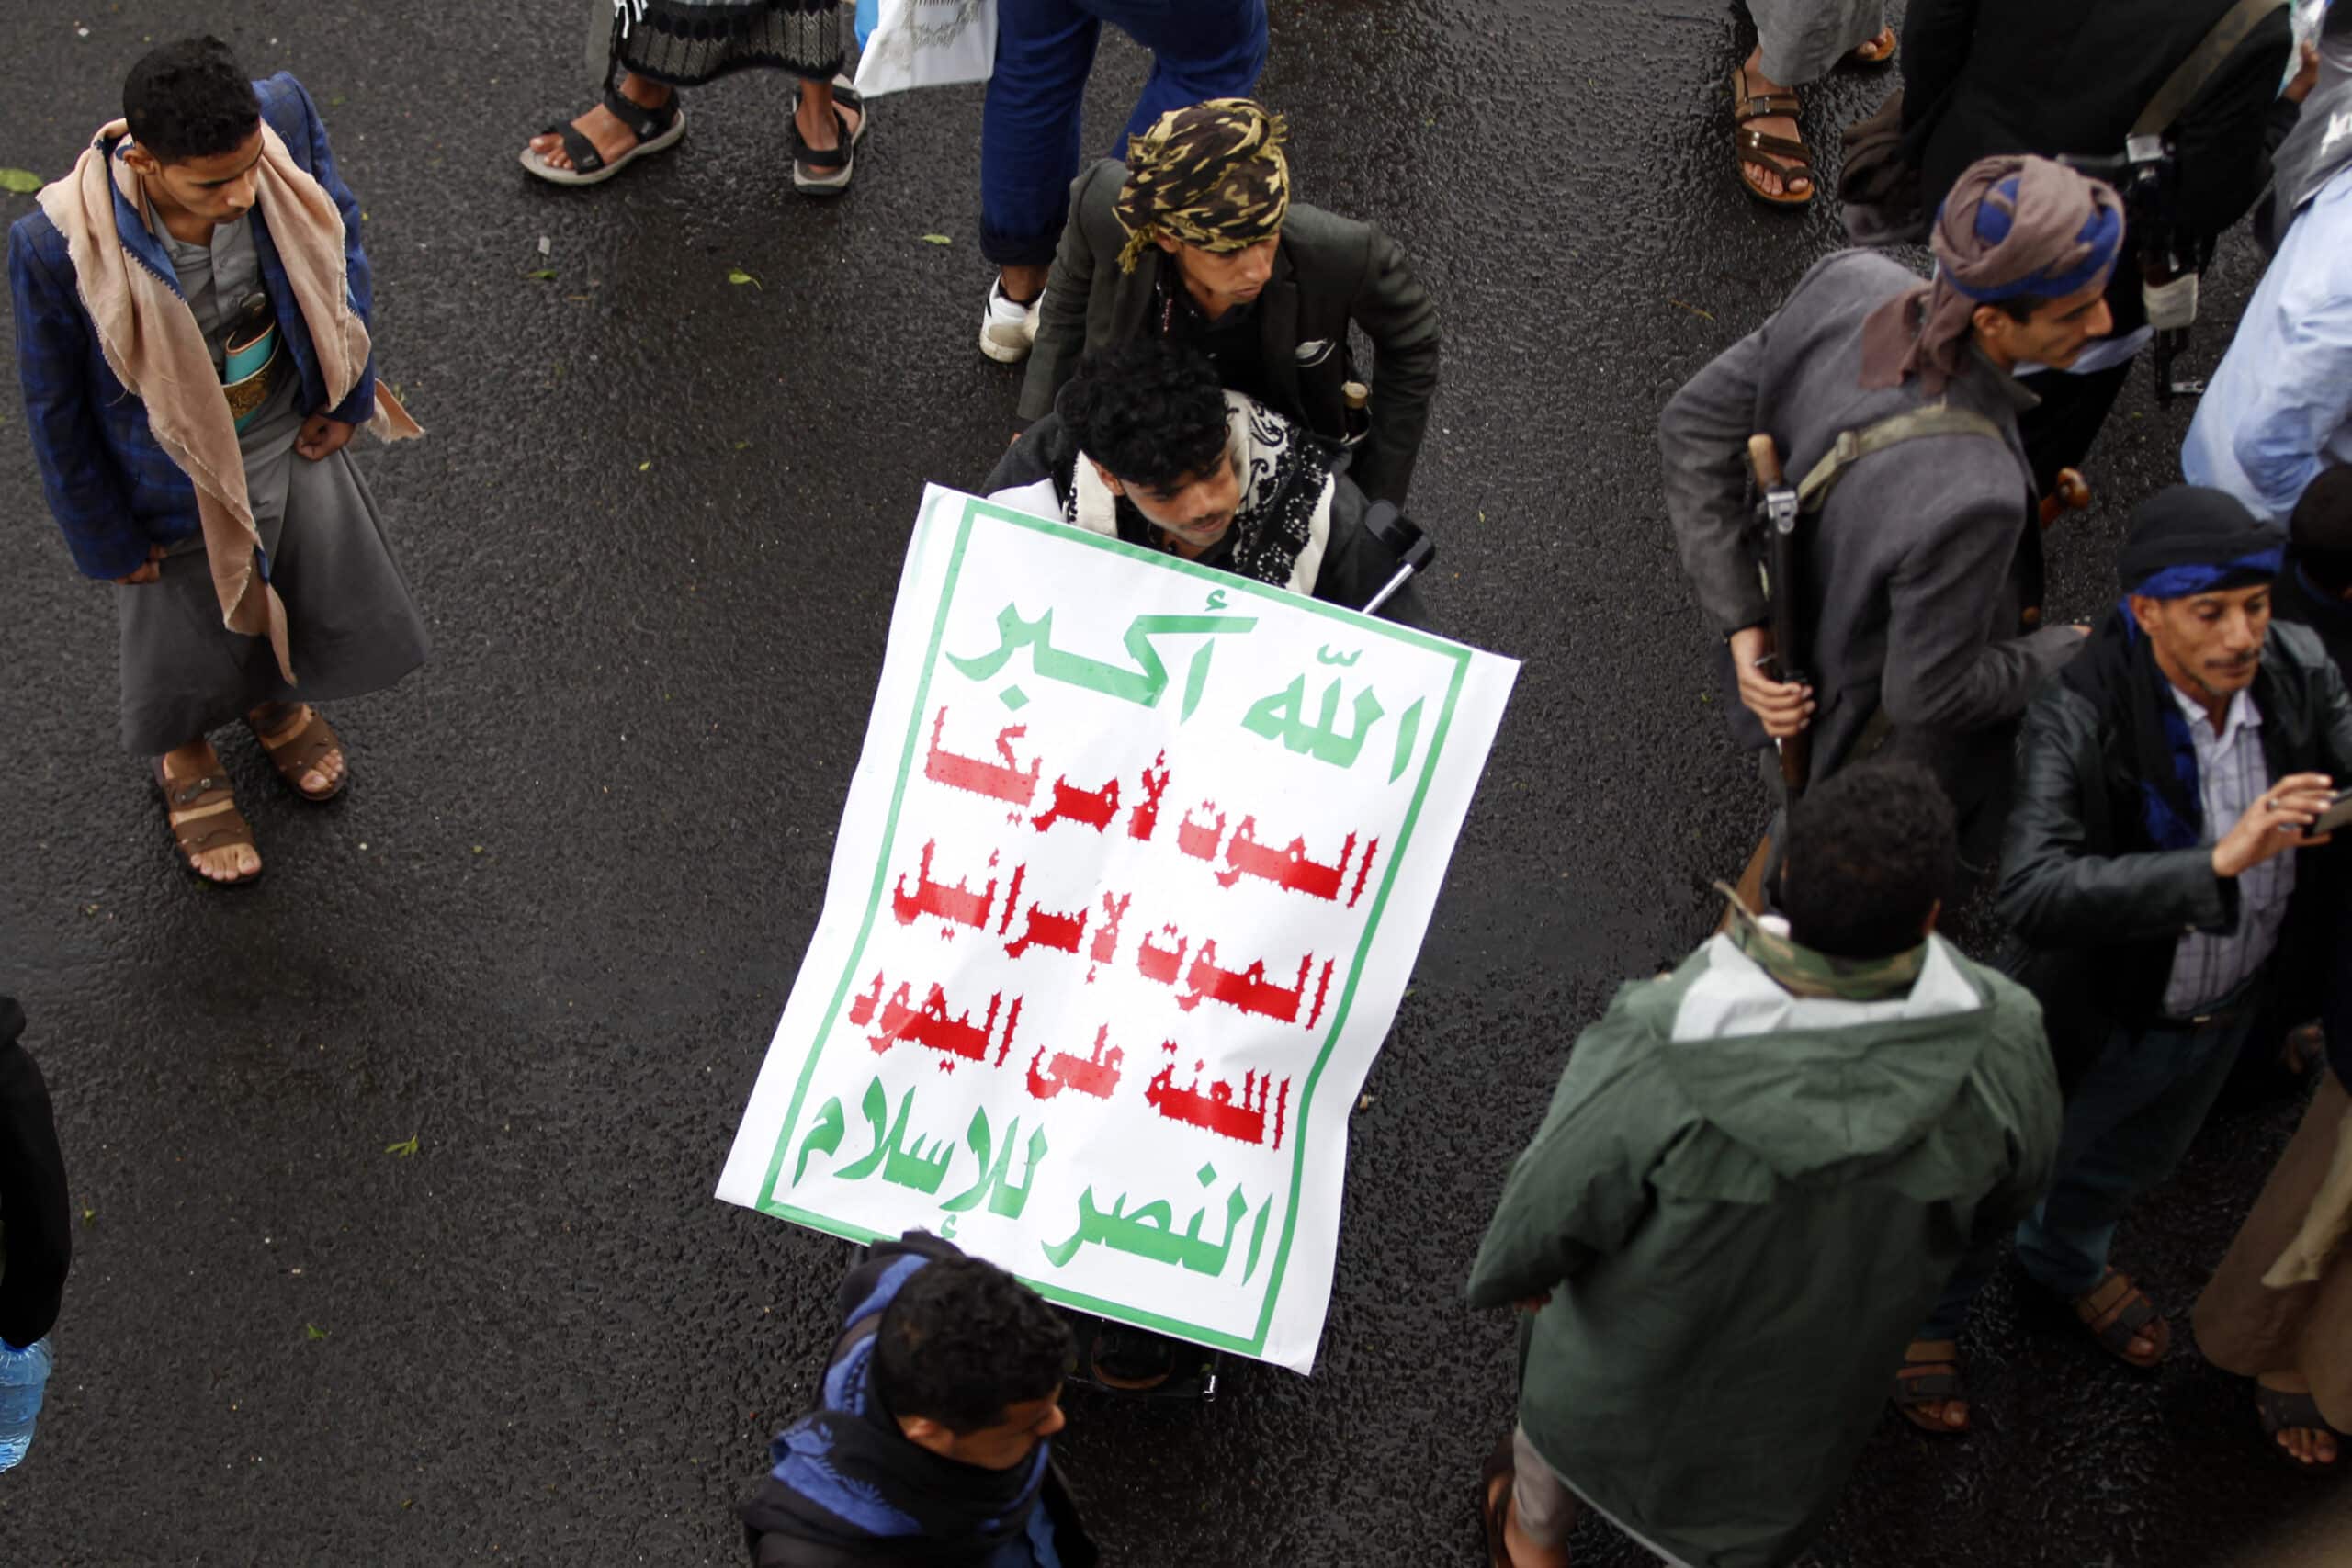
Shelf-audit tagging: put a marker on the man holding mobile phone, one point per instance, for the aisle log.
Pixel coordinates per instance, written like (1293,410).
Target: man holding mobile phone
(2161,872)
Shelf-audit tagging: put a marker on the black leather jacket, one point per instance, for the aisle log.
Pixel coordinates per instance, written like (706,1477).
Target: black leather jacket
(2095,912)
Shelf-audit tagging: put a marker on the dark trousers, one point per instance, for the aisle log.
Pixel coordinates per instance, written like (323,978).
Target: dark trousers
(2059,433)
(2129,1121)
(1029,126)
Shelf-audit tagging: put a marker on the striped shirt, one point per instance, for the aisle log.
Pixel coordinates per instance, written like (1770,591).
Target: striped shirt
(2232,774)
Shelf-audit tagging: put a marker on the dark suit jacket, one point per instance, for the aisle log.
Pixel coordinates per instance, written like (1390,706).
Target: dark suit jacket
(36,1225)
(1329,272)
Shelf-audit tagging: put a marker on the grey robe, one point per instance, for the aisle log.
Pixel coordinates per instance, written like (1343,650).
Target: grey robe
(1916,567)
(1802,38)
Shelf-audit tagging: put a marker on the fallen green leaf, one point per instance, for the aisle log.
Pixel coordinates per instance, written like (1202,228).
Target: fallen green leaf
(736,274)
(22,181)
(937,239)
(645,465)
(89,1216)
(313,1331)
(404,1149)
(545,274)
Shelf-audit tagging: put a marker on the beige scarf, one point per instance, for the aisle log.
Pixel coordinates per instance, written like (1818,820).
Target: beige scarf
(155,349)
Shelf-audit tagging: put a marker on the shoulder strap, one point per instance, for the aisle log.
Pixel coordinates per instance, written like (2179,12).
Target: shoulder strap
(1938,418)
(2189,77)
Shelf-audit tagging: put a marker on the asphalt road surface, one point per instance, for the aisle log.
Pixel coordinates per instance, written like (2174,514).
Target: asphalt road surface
(656,532)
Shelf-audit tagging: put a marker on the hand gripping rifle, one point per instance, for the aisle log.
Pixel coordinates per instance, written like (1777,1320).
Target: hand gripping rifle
(1777,508)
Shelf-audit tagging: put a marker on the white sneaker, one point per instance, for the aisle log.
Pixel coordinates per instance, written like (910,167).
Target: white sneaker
(1007,330)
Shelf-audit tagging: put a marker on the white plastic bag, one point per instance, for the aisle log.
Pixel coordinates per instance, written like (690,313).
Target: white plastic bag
(928,43)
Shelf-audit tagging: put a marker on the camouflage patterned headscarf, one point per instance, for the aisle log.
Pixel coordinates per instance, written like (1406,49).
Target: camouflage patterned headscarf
(1211,176)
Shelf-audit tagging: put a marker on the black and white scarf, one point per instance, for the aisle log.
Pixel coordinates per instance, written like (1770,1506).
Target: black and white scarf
(1284,523)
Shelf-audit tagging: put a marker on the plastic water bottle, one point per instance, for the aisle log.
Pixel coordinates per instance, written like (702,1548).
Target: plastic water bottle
(23,1375)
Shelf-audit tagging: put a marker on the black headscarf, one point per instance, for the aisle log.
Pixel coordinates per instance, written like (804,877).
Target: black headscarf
(848,1479)
(2183,540)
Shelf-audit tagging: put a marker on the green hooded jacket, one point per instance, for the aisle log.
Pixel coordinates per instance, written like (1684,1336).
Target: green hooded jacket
(1740,1231)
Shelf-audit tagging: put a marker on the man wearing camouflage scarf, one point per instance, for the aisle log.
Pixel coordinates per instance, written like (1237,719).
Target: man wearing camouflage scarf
(1195,240)
(1212,176)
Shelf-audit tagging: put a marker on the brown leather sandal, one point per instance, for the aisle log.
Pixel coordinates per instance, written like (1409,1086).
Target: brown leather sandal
(2117,1312)
(1789,158)
(204,817)
(299,747)
(1872,52)
(1929,1375)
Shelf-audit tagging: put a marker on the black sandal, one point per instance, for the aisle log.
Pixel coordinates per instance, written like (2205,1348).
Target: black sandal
(654,130)
(1931,1377)
(2282,1412)
(825,171)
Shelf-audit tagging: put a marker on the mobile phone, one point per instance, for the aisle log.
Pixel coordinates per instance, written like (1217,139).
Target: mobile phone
(2337,814)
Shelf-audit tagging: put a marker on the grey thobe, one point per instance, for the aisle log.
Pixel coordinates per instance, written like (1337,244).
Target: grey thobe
(1917,565)
(1802,38)
(351,626)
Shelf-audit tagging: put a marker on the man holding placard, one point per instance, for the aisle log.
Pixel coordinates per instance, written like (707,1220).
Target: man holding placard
(1146,446)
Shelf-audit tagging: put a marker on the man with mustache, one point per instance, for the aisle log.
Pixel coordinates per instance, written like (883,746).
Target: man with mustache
(2159,872)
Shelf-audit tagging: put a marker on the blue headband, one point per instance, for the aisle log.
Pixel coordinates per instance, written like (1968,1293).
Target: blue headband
(2102,231)
(2199,577)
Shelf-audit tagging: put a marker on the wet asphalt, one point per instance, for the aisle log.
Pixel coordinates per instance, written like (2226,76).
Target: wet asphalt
(656,532)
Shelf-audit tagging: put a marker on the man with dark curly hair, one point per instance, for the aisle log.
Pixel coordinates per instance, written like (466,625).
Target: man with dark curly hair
(932,1441)
(1146,446)
(1756,1174)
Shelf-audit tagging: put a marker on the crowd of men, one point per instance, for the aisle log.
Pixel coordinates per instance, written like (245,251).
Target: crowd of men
(1772,1180)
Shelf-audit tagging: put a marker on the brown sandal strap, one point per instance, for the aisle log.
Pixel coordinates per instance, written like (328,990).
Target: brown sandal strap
(1747,105)
(1931,1377)
(303,751)
(207,800)
(2129,1315)
(1791,157)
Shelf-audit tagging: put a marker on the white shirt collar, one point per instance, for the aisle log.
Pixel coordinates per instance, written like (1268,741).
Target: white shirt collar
(2243,715)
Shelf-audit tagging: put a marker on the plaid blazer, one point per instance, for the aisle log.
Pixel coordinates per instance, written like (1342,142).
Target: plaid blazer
(114,491)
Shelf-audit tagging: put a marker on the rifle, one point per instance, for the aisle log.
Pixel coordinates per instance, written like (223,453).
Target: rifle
(1776,506)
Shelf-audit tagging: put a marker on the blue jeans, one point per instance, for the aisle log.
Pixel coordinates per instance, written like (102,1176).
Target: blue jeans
(2129,1121)
(1029,130)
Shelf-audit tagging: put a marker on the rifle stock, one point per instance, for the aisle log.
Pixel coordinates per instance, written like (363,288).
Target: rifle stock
(1781,577)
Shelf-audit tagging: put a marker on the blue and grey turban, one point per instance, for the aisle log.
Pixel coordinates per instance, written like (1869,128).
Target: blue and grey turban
(2011,229)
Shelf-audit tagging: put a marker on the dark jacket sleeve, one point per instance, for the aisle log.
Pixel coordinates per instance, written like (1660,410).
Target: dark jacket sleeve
(1027,461)
(1576,1191)
(2334,705)
(1941,673)
(312,150)
(1356,566)
(1702,436)
(1397,313)
(77,471)
(35,1217)
(2056,890)
(2224,139)
(1070,288)
(1936,39)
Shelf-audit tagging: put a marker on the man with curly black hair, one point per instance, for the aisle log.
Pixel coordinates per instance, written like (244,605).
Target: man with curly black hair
(932,1442)
(1146,446)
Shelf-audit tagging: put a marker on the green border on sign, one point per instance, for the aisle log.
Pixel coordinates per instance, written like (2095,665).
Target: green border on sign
(973,508)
